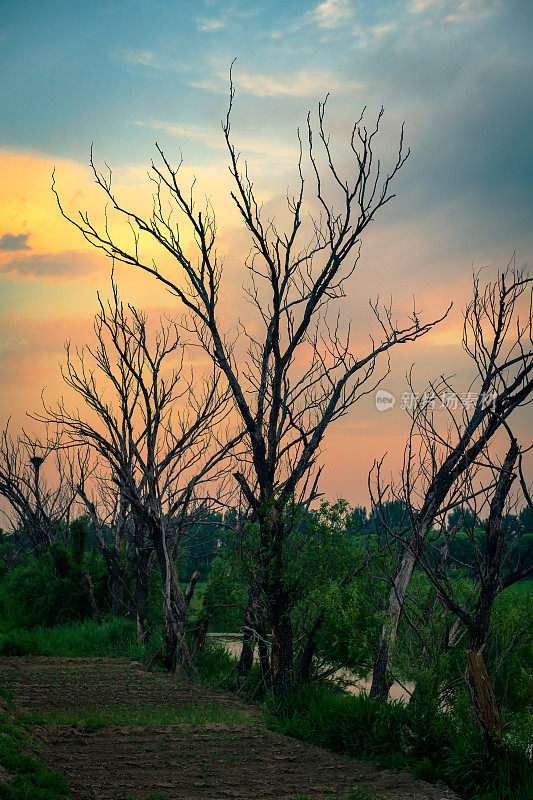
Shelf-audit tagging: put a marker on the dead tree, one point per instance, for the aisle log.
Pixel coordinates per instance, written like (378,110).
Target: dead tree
(108,510)
(494,571)
(300,371)
(37,508)
(440,459)
(153,430)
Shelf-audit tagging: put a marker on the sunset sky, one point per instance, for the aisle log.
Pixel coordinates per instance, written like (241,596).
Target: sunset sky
(122,75)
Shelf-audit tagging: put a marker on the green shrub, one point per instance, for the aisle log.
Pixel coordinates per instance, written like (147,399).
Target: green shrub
(45,591)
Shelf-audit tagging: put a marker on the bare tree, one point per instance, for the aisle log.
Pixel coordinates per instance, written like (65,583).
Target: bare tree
(108,511)
(442,463)
(156,454)
(37,509)
(295,277)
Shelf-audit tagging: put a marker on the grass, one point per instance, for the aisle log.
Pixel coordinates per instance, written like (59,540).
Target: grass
(435,747)
(113,637)
(30,777)
(123,715)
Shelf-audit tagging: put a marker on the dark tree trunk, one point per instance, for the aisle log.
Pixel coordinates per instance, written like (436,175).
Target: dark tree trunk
(277,600)
(282,654)
(116,581)
(484,703)
(246,659)
(142,582)
(175,605)
(310,649)
(200,633)
(479,686)
(88,586)
(262,649)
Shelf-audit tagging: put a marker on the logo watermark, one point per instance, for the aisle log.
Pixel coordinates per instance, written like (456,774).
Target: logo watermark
(447,399)
(384,400)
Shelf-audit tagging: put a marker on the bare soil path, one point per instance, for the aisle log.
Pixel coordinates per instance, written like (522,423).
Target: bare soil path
(117,731)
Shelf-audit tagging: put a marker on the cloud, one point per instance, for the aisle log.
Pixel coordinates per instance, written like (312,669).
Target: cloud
(332,13)
(214,139)
(69,264)
(149,58)
(303,83)
(210,25)
(145,58)
(13,242)
(455,10)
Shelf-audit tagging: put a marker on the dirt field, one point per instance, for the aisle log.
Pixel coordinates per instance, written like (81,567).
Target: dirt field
(106,724)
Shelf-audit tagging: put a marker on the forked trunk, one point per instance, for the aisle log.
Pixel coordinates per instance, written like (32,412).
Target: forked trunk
(175,651)
(175,604)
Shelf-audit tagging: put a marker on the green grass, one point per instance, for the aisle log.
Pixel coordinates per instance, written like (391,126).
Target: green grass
(123,715)
(113,637)
(31,779)
(435,747)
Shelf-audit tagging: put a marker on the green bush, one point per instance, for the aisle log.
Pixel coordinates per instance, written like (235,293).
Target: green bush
(45,591)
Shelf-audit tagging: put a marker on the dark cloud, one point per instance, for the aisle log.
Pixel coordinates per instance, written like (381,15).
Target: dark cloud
(12,242)
(70,264)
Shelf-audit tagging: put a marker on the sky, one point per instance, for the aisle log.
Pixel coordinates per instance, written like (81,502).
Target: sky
(121,75)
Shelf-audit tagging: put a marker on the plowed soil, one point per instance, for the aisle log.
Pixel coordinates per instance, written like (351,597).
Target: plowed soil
(238,757)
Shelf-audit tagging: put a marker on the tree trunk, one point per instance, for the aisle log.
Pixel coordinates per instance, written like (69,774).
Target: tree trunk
(310,648)
(484,703)
(277,600)
(381,678)
(88,586)
(262,648)
(116,581)
(282,653)
(200,633)
(246,659)
(142,581)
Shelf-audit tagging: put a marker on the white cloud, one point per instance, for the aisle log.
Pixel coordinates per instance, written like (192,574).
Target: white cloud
(150,59)
(332,13)
(304,83)
(144,58)
(379,31)
(455,10)
(215,140)
(209,25)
